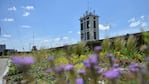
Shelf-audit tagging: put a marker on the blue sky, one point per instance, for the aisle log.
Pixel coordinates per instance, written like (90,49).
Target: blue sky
(56,22)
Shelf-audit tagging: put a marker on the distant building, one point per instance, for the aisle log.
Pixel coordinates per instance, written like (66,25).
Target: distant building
(9,51)
(34,48)
(89,28)
(4,51)
(2,48)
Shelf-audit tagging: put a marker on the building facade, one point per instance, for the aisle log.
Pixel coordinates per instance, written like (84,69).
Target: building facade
(2,47)
(89,28)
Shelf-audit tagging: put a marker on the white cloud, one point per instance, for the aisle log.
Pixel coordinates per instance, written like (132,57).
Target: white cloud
(132,19)
(6,36)
(57,39)
(104,27)
(46,40)
(65,38)
(70,32)
(7,19)
(78,32)
(26,14)
(141,22)
(12,8)
(29,7)
(135,23)
(25,26)
(142,17)
(144,24)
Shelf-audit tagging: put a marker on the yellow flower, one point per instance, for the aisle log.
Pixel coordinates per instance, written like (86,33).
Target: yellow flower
(79,66)
(61,60)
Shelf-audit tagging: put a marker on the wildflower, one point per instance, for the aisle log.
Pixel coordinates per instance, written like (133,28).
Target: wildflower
(79,81)
(87,63)
(111,58)
(134,67)
(69,67)
(27,60)
(112,74)
(17,60)
(97,49)
(100,71)
(118,54)
(96,67)
(48,70)
(23,63)
(59,68)
(115,65)
(110,55)
(81,71)
(93,59)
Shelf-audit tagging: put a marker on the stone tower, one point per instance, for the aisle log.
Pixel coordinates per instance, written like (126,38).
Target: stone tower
(89,28)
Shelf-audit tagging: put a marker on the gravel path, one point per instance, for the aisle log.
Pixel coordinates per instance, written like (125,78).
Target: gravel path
(4,63)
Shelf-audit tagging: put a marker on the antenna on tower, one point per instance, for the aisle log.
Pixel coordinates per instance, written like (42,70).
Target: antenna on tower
(89,5)
(33,47)
(33,38)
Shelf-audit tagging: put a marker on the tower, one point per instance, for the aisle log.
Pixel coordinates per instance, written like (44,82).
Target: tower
(89,28)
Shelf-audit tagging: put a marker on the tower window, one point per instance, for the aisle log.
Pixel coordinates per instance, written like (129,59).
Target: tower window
(88,24)
(94,35)
(94,17)
(81,35)
(81,26)
(87,17)
(94,24)
(88,35)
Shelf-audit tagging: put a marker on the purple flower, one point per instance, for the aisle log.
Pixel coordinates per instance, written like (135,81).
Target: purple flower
(115,65)
(87,63)
(96,67)
(93,59)
(109,55)
(82,71)
(59,68)
(48,70)
(27,60)
(134,67)
(17,60)
(112,74)
(68,67)
(100,71)
(113,59)
(79,81)
(97,48)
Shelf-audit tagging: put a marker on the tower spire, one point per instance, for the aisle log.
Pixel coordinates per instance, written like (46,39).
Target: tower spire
(89,6)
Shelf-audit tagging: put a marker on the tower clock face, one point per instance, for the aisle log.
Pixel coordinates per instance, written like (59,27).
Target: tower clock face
(89,25)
